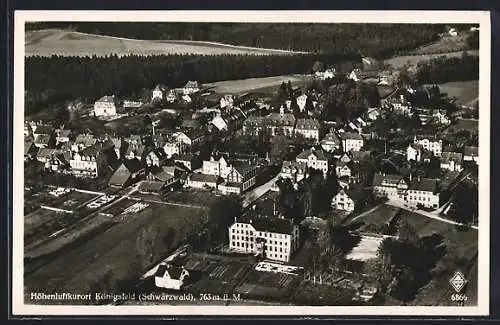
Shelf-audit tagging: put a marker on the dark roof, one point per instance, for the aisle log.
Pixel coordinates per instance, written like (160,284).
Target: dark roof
(46,153)
(244,167)
(86,139)
(390,179)
(120,176)
(137,149)
(188,156)
(331,137)
(161,270)
(191,123)
(351,136)
(150,186)
(92,151)
(63,133)
(360,155)
(272,224)
(471,151)
(133,165)
(191,84)
(42,138)
(307,124)
(317,152)
(198,177)
(27,146)
(423,184)
(44,129)
(295,165)
(447,156)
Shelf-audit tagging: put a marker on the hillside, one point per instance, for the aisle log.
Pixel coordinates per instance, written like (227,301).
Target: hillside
(49,42)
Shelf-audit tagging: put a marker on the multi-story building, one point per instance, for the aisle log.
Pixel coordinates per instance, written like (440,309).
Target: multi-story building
(389,186)
(315,159)
(351,141)
(87,162)
(414,152)
(423,191)
(343,201)
(158,93)
(431,144)
(218,165)
(451,161)
(272,237)
(274,123)
(342,169)
(296,171)
(331,142)
(227,101)
(471,153)
(191,87)
(309,128)
(106,106)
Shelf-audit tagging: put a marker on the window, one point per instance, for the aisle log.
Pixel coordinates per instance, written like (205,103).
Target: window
(233,237)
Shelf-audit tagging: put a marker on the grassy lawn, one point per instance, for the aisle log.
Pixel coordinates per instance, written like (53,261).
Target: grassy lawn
(464,124)
(461,250)
(114,253)
(377,217)
(195,197)
(444,45)
(411,60)
(76,199)
(466,92)
(68,43)
(264,85)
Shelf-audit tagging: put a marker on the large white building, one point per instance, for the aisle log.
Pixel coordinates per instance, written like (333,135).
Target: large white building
(315,159)
(389,186)
(106,106)
(352,141)
(272,237)
(423,191)
(170,277)
(309,128)
(428,143)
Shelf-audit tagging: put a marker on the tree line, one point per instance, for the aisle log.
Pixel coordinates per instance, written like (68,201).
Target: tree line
(445,69)
(377,40)
(57,78)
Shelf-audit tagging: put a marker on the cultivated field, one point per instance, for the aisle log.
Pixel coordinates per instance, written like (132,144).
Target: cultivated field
(466,92)
(69,43)
(464,124)
(444,45)
(265,84)
(113,254)
(412,60)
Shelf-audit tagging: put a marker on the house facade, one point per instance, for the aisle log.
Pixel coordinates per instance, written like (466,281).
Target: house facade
(423,191)
(351,141)
(201,181)
(451,161)
(273,238)
(170,277)
(331,142)
(308,128)
(471,154)
(87,162)
(343,202)
(389,186)
(191,87)
(105,106)
(158,93)
(414,152)
(315,159)
(428,143)
(293,170)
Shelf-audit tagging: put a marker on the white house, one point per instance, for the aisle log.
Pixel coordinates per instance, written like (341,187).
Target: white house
(389,186)
(296,171)
(354,75)
(226,101)
(451,161)
(170,277)
(158,93)
(191,87)
(428,143)
(423,191)
(330,142)
(309,128)
(301,102)
(328,74)
(414,152)
(106,106)
(217,165)
(342,169)
(272,237)
(315,159)
(343,201)
(200,181)
(471,153)
(351,141)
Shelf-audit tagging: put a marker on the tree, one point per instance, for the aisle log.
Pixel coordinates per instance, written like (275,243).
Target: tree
(279,147)
(62,116)
(406,233)
(464,207)
(221,215)
(318,66)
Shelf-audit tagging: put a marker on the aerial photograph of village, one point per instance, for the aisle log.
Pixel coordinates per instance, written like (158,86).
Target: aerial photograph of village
(251,164)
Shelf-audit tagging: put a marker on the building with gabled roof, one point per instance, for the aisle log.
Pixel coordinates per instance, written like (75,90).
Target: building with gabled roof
(343,201)
(127,172)
(296,171)
(191,87)
(105,106)
(170,277)
(315,159)
(309,128)
(389,186)
(351,141)
(471,153)
(423,191)
(451,161)
(271,237)
(198,180)
(331,141)
(158,93)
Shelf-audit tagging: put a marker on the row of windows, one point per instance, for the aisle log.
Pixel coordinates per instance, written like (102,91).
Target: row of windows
(242,245)
(419,198)
(281,250)
(275,256)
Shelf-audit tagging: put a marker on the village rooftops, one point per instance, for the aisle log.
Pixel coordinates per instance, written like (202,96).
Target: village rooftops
(351,136)
(44,129)
(46,153)
(424,184)
(320,155)
(331,137)
(307,124)
(165,173)
(107,99)
(175,272)
(386,179)
(286,119)
(86,140)
(447,156)
(268,224)
(191,84)
(244,167)
(42,139)
(471,151)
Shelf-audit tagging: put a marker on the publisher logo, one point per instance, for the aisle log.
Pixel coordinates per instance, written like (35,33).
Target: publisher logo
(458,281)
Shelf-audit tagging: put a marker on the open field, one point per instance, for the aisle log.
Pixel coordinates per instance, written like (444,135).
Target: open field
(464,124)
(191,196)
(114,252)
(270,286)
(411,60)
(266,84)
(68,43)
(444,45)
(374,221)
(466,92)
